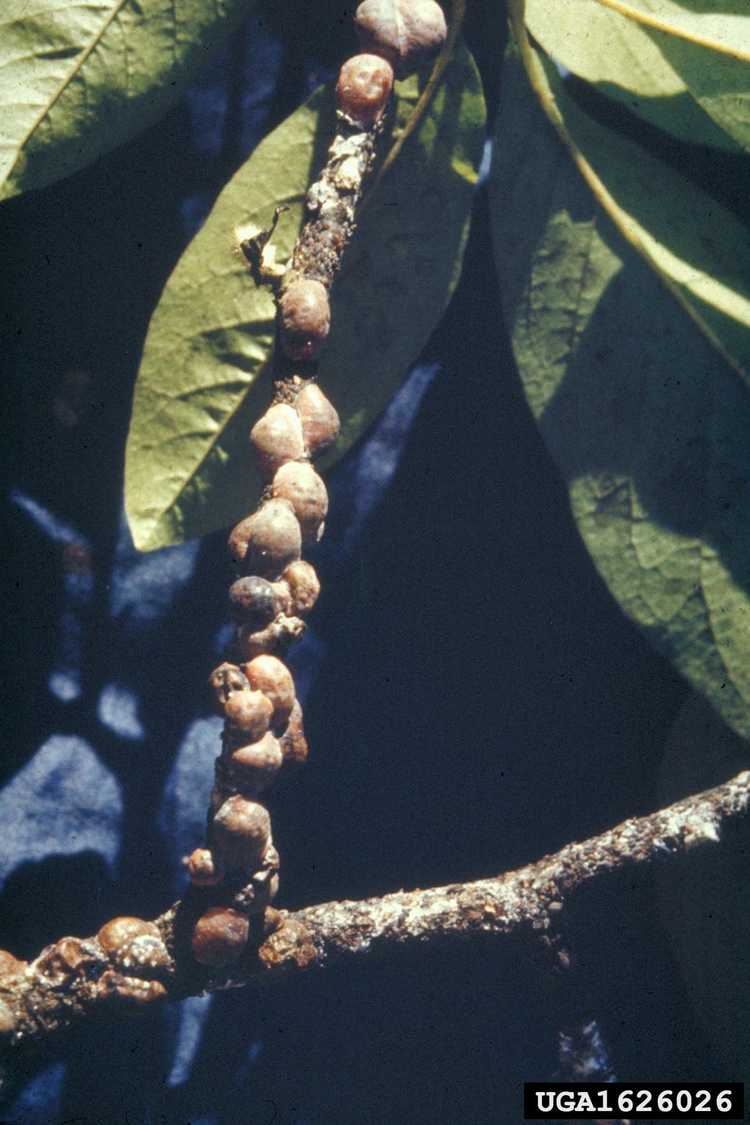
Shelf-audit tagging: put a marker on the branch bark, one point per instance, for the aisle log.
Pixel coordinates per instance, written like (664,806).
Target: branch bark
(76,979)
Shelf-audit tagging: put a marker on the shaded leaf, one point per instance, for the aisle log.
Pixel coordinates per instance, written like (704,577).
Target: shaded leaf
(648,425)
(698,247)
(79,77)
(705,905)
(205,375)
(629,62)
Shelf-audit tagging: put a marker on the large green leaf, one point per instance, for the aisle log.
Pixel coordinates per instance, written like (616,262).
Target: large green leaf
(646,421)
(206,371)
(626,60)
(78,77)
(707,42)
(699,248)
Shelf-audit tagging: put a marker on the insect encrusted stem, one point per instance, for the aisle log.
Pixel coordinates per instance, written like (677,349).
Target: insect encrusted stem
(130,960)
(237,871)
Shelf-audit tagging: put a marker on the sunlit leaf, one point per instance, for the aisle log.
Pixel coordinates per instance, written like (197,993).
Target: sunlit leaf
(698,247)
(78,77)
(721,25)
(205,375)
(707,42)
(631,63)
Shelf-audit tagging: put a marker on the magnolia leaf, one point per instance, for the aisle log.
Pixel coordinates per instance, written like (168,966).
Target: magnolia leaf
(206,370)
(79,77)
(647,423)
(721,25)
(708,45)
(699,248)
(631,63)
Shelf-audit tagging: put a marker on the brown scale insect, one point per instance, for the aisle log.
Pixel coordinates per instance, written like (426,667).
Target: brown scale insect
(255,691)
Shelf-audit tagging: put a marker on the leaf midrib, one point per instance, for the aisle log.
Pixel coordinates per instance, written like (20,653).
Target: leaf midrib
(624,223)
(648,20)
(65,82)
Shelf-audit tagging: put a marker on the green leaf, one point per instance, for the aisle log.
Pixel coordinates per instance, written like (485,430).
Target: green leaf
(720,25)
(79,77)
(708,45)
(699,248)
(647,424)
(631,63)
(206,373)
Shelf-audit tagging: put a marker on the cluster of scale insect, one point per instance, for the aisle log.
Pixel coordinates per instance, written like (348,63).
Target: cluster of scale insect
(275,589)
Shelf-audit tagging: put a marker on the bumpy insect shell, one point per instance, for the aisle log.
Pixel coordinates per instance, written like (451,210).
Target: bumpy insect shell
(255,896)
(276,438)
(300,485)
(274,639)
(256,601)
(130,992)
(240,833)
(364,86)
(270,676)
(220,936)
(319,420)
(255,765)
(248,714)
(304,319)
(268,540)
(303,585)
(408,33)
(119,931)
(203,868)
(225,680)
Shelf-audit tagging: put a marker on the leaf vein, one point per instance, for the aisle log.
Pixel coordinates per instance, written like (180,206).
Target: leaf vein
(72,72)
(188,479)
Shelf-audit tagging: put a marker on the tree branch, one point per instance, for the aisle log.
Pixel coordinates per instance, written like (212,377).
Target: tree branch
(76,978)
(526,899)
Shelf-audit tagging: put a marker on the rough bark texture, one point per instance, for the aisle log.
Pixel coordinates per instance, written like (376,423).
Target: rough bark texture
(333,199)
(76,978)
(530,898)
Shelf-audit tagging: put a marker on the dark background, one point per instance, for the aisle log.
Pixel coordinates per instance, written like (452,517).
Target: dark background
(474,698)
